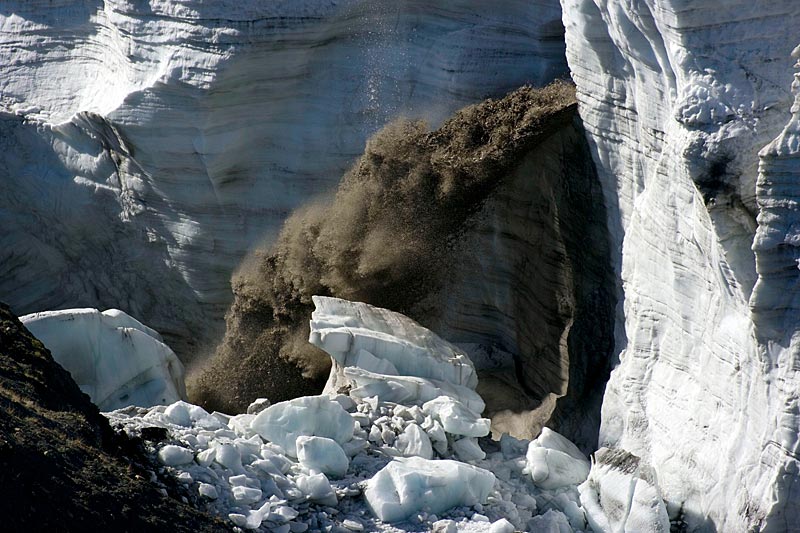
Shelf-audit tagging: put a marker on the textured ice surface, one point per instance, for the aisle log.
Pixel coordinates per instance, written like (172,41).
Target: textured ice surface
(622,495)
(457,418)
(114,358)
(407,485)
(344,329)
(554,461)
(678,98)
(409,389)
(317,416)
(322,455)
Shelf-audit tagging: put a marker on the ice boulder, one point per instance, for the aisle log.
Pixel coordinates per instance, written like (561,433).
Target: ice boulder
(457,418)
(413,441)
(115,359)
(355,334)
(553,461)
(621,494)
(408,484)
(317,488)
(322,455)
(316,416)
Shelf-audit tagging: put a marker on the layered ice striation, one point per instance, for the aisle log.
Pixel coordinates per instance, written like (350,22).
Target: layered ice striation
(678,98)
(373,339)
(115,359)
(146,146)
(622,494)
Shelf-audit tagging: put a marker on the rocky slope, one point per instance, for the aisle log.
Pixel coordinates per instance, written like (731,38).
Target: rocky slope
(678,98)
(63,468)
(146,146)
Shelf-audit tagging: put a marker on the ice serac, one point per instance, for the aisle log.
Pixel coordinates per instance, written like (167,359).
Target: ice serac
(678,98)
(355,333)
(172,135)
(115,359)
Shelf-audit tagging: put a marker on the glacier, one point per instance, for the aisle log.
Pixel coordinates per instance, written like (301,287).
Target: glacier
(681,102)
(146,146)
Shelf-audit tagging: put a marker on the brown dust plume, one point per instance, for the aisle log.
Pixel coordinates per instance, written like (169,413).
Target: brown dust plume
(387,237)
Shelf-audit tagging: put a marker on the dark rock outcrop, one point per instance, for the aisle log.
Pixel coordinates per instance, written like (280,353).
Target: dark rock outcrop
(62,467)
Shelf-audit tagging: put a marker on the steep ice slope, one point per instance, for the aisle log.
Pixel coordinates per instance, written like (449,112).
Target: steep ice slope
(146,145)
(678,97)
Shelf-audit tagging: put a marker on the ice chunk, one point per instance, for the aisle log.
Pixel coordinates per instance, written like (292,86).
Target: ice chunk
(468,449)
(352,525)
(408,484)
(115,359)
(343,329)
(178,414)
(257,406)
(414,442)
(317,488)
(208,491)
(408,389)
(622,494)
(444,526)
(502,526)
(228,455)
(320,454)
(172,455)
(457,418)
(245,495)
(553,461)
(316,416)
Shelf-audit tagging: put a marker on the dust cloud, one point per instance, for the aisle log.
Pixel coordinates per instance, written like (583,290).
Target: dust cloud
(386,237)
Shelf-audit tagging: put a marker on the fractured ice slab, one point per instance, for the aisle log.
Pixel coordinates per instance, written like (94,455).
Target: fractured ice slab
(457,418)
(409,389)
(553,461)
(319,416)
(114,358)
(344,329)
(407,485)
(322,455)
(622,495)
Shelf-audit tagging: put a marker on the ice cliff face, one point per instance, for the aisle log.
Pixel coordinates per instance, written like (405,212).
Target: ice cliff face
(147,145)
(678,98)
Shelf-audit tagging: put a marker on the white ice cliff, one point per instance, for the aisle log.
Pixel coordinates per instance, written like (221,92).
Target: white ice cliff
(146,146)
(115,359)
(678,97)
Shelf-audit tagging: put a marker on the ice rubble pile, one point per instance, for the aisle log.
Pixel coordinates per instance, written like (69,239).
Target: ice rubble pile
(114,358)
(340,462)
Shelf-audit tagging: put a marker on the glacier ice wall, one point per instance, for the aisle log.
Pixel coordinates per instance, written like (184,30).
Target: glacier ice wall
(678,97)
(530,295)
(146,145)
